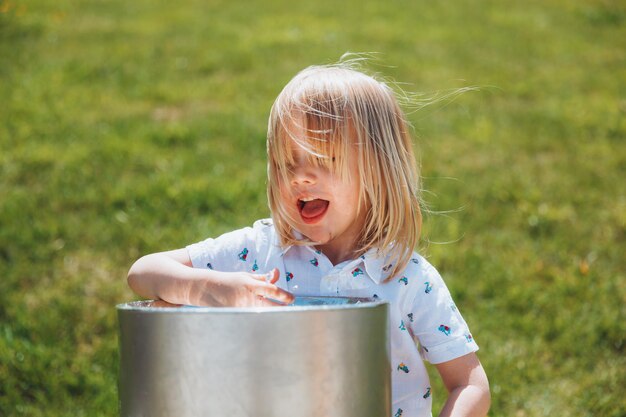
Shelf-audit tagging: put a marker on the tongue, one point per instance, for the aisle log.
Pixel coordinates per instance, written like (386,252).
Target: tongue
(314,208)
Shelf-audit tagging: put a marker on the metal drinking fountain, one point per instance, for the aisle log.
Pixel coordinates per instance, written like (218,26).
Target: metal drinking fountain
(320,357)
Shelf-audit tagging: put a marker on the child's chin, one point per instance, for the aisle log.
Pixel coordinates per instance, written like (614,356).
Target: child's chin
(318,237)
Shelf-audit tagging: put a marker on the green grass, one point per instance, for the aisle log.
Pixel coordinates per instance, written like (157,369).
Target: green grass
(134,127)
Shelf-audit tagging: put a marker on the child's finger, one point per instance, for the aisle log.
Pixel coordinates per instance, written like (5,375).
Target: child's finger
(278,294)
(266,302)
(271,277)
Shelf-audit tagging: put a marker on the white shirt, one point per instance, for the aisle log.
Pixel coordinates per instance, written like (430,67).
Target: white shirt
(423,320)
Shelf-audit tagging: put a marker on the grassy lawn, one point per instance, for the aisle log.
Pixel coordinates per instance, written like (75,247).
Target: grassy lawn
(134,127)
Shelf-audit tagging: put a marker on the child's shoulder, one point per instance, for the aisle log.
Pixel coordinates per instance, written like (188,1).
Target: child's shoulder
(264,230)
(419,266)
(264,225)
(242,249)
(261,231)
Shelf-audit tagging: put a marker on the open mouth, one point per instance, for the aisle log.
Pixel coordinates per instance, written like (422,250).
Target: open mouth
(312,209)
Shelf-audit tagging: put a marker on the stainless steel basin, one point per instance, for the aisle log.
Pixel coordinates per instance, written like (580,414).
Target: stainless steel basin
(321,357)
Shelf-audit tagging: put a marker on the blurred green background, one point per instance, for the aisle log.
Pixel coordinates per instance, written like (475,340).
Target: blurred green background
(134,127)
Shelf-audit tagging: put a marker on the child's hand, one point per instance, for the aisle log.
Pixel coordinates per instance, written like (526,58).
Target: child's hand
(240,289)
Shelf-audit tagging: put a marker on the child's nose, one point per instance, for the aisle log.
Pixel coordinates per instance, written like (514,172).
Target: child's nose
(303,176)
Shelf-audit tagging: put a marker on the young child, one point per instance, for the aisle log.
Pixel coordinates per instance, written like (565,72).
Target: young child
(343,193)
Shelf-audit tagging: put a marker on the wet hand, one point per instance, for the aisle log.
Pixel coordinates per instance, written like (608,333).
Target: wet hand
(241,289)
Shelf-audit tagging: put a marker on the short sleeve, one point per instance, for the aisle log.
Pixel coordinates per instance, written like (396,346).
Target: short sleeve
(435,321)
(240,250)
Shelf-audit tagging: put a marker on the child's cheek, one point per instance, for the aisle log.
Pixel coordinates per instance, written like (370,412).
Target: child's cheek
(285,195)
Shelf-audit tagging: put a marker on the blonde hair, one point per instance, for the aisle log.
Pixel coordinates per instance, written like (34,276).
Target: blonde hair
(345,112)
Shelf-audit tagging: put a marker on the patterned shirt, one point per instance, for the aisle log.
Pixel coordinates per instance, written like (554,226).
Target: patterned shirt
(424,322)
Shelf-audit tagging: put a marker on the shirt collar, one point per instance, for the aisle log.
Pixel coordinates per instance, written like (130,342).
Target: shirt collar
(376,265)
(284,250)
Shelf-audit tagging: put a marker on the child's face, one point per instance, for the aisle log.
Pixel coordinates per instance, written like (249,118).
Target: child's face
(324,205)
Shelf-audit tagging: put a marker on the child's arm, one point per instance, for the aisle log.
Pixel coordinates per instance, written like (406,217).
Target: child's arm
(468,386)
(169,276)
